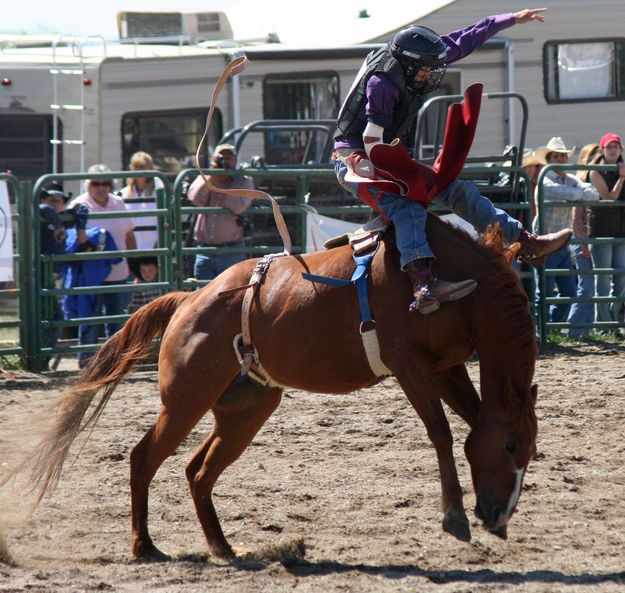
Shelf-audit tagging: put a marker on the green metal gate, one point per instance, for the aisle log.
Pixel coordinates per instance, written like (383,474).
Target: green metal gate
(39,309)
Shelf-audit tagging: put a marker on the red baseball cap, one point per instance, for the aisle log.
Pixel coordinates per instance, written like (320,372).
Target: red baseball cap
(609,137)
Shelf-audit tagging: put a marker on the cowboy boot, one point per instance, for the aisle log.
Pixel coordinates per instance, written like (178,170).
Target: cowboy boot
(430,291)
(535,249)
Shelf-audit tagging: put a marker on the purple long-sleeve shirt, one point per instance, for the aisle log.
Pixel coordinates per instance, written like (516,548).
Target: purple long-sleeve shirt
(383,95)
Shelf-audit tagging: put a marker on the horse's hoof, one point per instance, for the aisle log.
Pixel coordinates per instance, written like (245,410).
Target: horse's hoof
(502,532)
(149,552)
(223,554)
(459,528)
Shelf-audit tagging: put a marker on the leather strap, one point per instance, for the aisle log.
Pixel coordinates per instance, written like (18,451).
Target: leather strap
(248,349)
(368,331)
(235,67)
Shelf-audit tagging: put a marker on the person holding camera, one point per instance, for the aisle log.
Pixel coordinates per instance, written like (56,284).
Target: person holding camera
(221,229)
(52,237)
(52,201)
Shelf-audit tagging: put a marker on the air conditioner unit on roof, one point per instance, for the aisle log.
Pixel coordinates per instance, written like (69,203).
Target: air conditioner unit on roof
(198,26)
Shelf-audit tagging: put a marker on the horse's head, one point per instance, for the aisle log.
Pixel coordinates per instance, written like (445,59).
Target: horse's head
(499,448)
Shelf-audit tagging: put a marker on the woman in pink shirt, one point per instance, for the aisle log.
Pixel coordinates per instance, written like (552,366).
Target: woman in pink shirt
(98,198)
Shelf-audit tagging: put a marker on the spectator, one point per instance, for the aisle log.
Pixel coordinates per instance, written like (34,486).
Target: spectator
(532,166)
(583,312)
(219,229)
(609,222)
(81,273)
(98,198)
(559,185)
(140,194)
(52,200)
(145,269)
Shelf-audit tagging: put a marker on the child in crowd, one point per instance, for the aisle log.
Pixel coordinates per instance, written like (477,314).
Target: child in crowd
(145,270)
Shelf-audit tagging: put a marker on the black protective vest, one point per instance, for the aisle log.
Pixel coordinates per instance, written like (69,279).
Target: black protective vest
(352,119)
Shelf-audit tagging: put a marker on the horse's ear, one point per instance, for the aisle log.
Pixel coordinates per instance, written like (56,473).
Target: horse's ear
(512,399)
(511,251)
(493,237)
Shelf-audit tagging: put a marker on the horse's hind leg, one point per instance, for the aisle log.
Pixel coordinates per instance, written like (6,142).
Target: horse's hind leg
(173,424)
(239,414)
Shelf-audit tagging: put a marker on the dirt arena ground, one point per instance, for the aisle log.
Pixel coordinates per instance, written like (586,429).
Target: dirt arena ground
(336,494)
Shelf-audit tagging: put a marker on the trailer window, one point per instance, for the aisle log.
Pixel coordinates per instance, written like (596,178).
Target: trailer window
(584,70)
(307,96)
(171,137)
(25,148)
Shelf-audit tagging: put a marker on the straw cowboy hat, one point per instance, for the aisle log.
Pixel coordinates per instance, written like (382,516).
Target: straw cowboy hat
(529,158)
(556,144)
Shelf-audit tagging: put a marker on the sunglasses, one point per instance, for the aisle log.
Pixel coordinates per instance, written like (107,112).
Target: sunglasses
(100,183)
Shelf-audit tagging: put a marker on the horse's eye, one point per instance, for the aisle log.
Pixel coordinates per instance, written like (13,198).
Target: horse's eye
(511,447)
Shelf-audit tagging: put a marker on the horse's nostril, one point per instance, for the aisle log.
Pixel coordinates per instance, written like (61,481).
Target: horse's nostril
(488,513)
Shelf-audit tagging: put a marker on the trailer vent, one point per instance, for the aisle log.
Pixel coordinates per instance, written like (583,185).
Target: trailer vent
(199,26)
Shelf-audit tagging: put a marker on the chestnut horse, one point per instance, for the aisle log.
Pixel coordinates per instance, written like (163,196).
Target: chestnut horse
(307,337)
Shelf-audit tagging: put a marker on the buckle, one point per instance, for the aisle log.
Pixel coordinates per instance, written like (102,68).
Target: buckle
(366,326)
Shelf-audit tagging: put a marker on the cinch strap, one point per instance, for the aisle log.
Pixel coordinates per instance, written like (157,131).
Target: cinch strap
(367,325)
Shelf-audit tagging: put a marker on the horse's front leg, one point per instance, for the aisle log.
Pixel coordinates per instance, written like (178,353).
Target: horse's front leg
(459,393)
(423,393)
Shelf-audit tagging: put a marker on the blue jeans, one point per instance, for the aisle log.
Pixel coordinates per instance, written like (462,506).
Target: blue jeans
(208,267)
(567,286)
(112,303)
(609,256)
(582,312)
(409,216)
(464,199)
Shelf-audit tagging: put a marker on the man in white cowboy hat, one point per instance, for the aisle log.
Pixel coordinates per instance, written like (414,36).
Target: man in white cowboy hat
(559,185)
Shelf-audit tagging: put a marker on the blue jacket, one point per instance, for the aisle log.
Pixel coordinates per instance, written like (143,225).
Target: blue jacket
(86,273)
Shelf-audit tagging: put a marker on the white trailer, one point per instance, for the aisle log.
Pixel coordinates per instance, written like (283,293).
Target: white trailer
(66,103)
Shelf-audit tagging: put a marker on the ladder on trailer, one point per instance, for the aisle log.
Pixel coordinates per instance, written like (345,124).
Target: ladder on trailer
(73,71)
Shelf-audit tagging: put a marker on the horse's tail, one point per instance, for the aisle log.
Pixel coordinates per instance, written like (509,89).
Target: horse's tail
(103,373)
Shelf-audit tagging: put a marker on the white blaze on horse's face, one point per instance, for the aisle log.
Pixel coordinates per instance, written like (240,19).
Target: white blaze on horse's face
(499,449)
(497,479)
(514,497)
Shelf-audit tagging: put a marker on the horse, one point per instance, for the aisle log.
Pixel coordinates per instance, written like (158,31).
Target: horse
(307,337)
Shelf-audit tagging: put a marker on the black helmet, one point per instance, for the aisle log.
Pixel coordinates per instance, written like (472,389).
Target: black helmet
(415,47)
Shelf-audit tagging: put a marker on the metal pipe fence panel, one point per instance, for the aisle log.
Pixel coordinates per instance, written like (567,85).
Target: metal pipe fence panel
(302,187)
(543,300)
(43,308)
(14,293)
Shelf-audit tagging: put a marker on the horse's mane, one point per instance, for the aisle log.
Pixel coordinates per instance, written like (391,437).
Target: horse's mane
(487,260)
(483,256)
